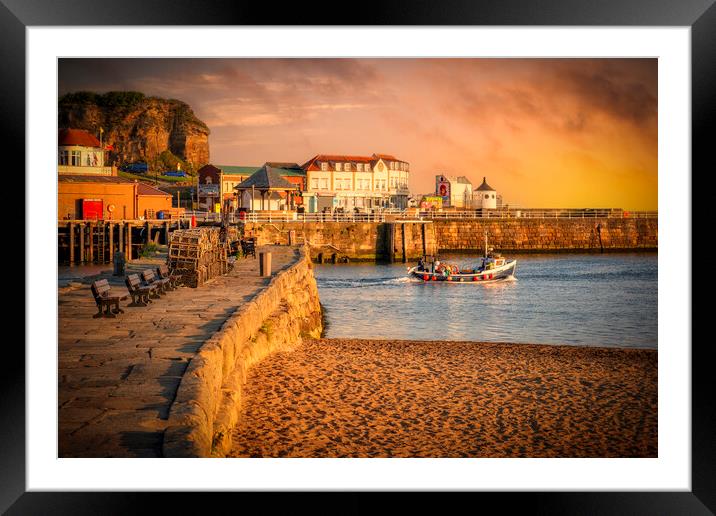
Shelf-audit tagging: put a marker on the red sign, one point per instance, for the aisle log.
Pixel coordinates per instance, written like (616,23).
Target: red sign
(92,209)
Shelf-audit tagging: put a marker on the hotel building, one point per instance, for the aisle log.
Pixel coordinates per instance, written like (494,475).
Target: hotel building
(355,182)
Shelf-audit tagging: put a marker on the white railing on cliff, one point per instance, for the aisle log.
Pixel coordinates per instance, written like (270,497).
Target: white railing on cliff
(525,213)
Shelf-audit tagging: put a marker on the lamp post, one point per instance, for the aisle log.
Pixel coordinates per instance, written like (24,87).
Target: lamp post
(156,148)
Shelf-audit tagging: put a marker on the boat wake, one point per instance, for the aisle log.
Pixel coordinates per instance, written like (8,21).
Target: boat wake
(371,282)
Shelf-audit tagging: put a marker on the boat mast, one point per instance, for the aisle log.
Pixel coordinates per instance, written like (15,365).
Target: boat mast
(485,243)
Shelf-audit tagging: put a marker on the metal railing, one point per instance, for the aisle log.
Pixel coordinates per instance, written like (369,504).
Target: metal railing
(531,213)
(412,214)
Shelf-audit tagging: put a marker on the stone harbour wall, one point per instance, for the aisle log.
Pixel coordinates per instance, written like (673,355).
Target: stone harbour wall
(357,241)
(208,400)
(537,235)
(366,241)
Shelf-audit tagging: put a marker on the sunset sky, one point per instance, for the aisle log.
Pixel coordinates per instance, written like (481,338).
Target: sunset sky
(545,132)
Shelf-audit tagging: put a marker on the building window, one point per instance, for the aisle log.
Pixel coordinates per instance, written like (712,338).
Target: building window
(75,158)
(64,157)
(366,167)
(314,184)
(324,183)
(338,167)
(324,166)
(347,167)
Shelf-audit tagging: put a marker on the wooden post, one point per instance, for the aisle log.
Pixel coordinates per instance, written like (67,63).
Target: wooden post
(149,232)
(120,233)
(166,232)
(425,245)
(90,234)
(72,244)
(402,233)
(110,230)
(129,243)
(391,242)
(82,244)
(102,241)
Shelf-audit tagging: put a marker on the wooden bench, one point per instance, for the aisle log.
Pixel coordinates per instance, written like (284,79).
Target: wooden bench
(248,247)
(164,273)
(105,297)
(140,293)
(151,279)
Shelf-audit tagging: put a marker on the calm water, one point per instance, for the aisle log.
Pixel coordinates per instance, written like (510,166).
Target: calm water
(594,300)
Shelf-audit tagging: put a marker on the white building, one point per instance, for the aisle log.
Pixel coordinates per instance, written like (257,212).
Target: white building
(485,196)
(355,182)
(80,153)
(456,191)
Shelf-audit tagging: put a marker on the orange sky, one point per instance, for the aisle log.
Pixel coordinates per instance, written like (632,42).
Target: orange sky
(545,132)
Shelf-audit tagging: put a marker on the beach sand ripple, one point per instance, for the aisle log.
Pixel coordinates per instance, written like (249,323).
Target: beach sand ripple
(367,398)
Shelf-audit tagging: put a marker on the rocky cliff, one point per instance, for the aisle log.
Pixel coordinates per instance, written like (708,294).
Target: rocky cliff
(138,127)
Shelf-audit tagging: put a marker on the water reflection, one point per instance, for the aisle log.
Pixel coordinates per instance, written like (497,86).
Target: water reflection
(607,300)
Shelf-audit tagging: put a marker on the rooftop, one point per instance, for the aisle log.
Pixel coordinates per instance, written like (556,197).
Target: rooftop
(484,186)
(266,178)
(145,189)
(63,178)
(237,170)
(79,137)
(311,164)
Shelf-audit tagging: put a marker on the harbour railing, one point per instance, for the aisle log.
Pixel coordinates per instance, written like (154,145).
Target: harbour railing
(264,217)
(412,214)
(532,213)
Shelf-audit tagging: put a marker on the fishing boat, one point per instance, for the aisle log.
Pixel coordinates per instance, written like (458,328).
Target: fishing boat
(491,267)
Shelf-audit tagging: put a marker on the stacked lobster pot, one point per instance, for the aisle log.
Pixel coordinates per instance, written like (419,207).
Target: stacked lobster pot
(197,255)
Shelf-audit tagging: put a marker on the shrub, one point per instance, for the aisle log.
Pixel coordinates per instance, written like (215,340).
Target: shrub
(148,250)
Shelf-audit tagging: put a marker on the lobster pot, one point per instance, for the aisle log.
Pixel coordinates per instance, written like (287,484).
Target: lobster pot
(197,254)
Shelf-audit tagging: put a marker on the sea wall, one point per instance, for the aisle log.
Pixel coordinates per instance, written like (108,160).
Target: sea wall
(208,400)
(553,235)
(364,241)
(356,241)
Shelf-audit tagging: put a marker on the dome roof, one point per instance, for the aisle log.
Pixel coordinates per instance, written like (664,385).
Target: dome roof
(484,186)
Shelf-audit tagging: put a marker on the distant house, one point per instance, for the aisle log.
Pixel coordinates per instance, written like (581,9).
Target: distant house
(216,185)
(80,153)
(355,182)
(456,191)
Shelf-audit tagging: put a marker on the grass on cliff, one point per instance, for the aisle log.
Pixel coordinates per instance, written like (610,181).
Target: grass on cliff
(149,178)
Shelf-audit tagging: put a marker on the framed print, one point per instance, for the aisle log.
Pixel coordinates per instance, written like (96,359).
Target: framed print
(380,147)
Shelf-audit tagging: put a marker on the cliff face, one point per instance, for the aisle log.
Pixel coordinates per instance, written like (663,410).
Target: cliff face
(138,127)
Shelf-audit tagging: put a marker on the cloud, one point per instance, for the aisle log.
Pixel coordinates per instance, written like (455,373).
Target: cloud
(509,119)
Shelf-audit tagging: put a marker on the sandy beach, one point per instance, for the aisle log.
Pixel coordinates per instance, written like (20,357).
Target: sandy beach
(368,398)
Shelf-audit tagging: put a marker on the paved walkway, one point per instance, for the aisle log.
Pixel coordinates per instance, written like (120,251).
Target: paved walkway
(119,377)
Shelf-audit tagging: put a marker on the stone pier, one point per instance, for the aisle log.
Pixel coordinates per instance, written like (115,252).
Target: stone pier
(118,378)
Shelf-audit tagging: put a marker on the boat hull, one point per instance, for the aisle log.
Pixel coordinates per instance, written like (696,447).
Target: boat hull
(491,275)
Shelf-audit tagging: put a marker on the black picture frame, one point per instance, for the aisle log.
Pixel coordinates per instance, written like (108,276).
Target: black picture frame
(700,15)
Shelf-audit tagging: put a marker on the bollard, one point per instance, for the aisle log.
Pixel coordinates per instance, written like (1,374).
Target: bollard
(292,237)
(265,264)
(119,263)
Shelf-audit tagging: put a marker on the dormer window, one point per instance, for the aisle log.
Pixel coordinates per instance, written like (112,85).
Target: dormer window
(338,167)
(324,166)
(347,167)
